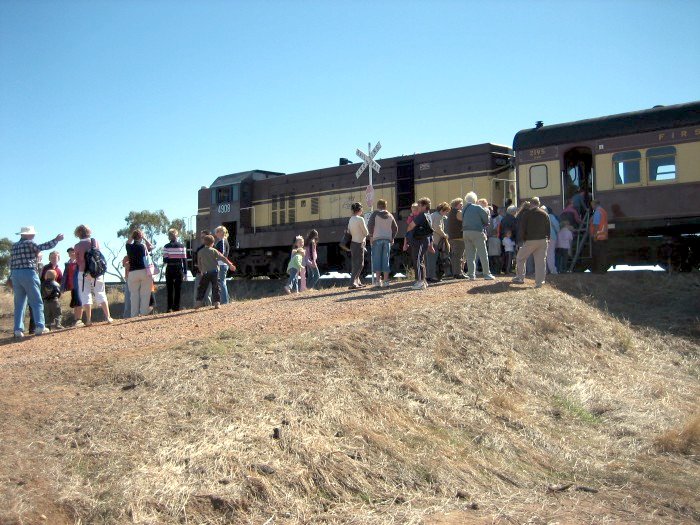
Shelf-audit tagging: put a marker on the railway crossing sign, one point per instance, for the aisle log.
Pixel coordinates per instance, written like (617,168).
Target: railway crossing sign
(369,195)
(369,162)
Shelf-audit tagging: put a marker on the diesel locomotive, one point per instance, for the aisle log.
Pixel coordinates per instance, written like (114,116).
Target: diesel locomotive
(643,166)
(263,211)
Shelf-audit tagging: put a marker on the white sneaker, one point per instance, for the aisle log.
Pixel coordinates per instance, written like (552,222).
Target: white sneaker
(110,320)
(42,331)
(418,285)
(489,277)
(79,323)
(19,334)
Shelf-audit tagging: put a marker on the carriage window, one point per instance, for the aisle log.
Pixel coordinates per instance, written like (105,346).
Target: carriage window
(627,167)
(538,177)
(662,163)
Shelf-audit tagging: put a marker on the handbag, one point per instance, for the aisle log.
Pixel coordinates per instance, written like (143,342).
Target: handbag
(151,269)
(345,241)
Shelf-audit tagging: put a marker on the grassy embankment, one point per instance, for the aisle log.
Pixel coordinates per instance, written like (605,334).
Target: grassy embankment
(490,404)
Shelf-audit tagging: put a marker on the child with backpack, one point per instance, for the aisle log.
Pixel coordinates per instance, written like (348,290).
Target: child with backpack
(50,294)
(90,281)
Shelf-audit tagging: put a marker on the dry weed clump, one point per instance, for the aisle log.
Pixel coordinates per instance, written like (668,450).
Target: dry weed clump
(684,441)
(373,422)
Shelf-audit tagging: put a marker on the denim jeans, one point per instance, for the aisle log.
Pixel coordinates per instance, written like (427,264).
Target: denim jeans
(293,283)
(26,286)
(312,277)
(223,289)
(381,248)
(127,301)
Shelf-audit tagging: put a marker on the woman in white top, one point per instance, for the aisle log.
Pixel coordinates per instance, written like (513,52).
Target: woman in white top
(358,230)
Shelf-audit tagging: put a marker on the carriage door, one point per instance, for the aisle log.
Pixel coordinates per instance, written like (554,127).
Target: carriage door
(405,188)
(577,174)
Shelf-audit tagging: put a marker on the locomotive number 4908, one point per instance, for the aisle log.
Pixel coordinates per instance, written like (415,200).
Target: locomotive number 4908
(224,207)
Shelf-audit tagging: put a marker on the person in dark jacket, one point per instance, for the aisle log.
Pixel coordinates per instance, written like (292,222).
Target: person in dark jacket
(140,278)
(421,240)
(454,232)
(175,260)
(533,230)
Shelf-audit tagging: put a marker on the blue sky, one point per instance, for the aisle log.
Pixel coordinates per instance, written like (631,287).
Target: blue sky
(113,106)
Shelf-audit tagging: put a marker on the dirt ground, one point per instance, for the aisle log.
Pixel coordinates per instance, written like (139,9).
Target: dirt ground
(27,401)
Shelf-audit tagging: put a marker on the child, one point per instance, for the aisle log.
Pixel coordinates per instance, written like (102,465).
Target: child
(493,246)
(207,258)
(293,269)
(54,257)
(69,282)
(563,246)
(414,212)
(50,292)
(509,249)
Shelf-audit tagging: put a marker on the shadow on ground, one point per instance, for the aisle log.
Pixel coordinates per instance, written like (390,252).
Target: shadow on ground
(665,302)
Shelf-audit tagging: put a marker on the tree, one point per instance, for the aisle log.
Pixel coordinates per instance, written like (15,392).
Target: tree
(152,223)
(5,248)
(115,261)
(181,226)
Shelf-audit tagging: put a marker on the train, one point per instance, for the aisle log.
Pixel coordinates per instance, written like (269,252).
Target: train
(643,166)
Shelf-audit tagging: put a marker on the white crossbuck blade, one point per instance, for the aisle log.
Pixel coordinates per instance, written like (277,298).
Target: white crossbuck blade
(359,171)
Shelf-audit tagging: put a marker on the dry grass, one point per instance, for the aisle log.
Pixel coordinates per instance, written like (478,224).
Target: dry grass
(367,433)
(387,420)
(684,441)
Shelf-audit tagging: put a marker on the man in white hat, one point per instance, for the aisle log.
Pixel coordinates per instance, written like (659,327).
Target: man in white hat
(25,280)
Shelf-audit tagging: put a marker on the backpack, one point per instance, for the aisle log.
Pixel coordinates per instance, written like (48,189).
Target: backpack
(423,230)
(95,262)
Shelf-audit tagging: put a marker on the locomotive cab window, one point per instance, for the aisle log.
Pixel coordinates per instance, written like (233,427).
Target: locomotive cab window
(627,167)
(225,194)
(662,164)
(538,177)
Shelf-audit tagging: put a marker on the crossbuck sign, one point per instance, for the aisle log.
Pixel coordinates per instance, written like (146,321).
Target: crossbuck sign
(369,162)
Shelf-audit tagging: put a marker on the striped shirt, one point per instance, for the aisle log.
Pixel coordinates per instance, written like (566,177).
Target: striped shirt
(24,252)
(175,256)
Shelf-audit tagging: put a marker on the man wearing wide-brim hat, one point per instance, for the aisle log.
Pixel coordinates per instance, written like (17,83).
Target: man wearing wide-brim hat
(25,280)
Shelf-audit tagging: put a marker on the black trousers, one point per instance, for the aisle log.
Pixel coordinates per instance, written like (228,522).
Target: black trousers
(173,284)
(600,257)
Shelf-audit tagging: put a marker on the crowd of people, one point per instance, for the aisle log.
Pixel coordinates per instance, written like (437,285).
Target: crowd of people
(460,240)
(468,236)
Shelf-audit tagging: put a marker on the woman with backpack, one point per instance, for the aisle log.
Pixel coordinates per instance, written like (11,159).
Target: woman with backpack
(421,241)
(91,280)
